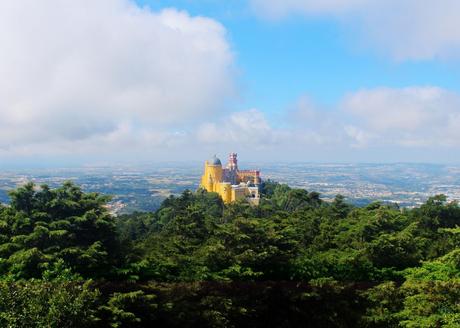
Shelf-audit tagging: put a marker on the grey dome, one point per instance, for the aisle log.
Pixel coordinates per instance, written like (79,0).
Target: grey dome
(215,161)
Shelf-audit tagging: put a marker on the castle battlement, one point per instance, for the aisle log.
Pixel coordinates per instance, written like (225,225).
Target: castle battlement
(231,183)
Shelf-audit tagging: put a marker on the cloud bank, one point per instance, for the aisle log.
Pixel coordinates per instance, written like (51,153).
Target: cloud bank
(409,117)
(404,30)
(109,79)
(82,72)
(393,122)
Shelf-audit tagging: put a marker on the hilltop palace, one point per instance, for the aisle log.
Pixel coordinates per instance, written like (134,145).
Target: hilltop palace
(231,183)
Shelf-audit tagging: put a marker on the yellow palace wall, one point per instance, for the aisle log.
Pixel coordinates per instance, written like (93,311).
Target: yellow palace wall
(212,182)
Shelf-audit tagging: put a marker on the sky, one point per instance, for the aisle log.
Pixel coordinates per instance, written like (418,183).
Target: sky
(110,81)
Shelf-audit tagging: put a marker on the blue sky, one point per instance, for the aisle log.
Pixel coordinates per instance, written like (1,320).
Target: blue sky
(308,80)
(314,53)
(281,60)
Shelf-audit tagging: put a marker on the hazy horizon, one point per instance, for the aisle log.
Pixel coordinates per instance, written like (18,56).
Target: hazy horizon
(196,163)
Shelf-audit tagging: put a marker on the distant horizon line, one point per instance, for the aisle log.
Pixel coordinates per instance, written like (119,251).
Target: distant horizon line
(198,162)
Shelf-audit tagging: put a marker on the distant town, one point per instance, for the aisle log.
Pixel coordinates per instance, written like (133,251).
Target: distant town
(142,188)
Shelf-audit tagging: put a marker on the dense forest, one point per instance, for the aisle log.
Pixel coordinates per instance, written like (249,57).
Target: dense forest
(293,261)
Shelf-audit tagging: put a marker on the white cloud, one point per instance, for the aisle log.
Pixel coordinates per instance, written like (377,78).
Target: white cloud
(415,116)
(290,136)
(249,128)
(359,138)
(408,29)
(397,119)
(80,71)
(389,124)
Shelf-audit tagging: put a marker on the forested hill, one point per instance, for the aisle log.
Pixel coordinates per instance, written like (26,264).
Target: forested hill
(294,261)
